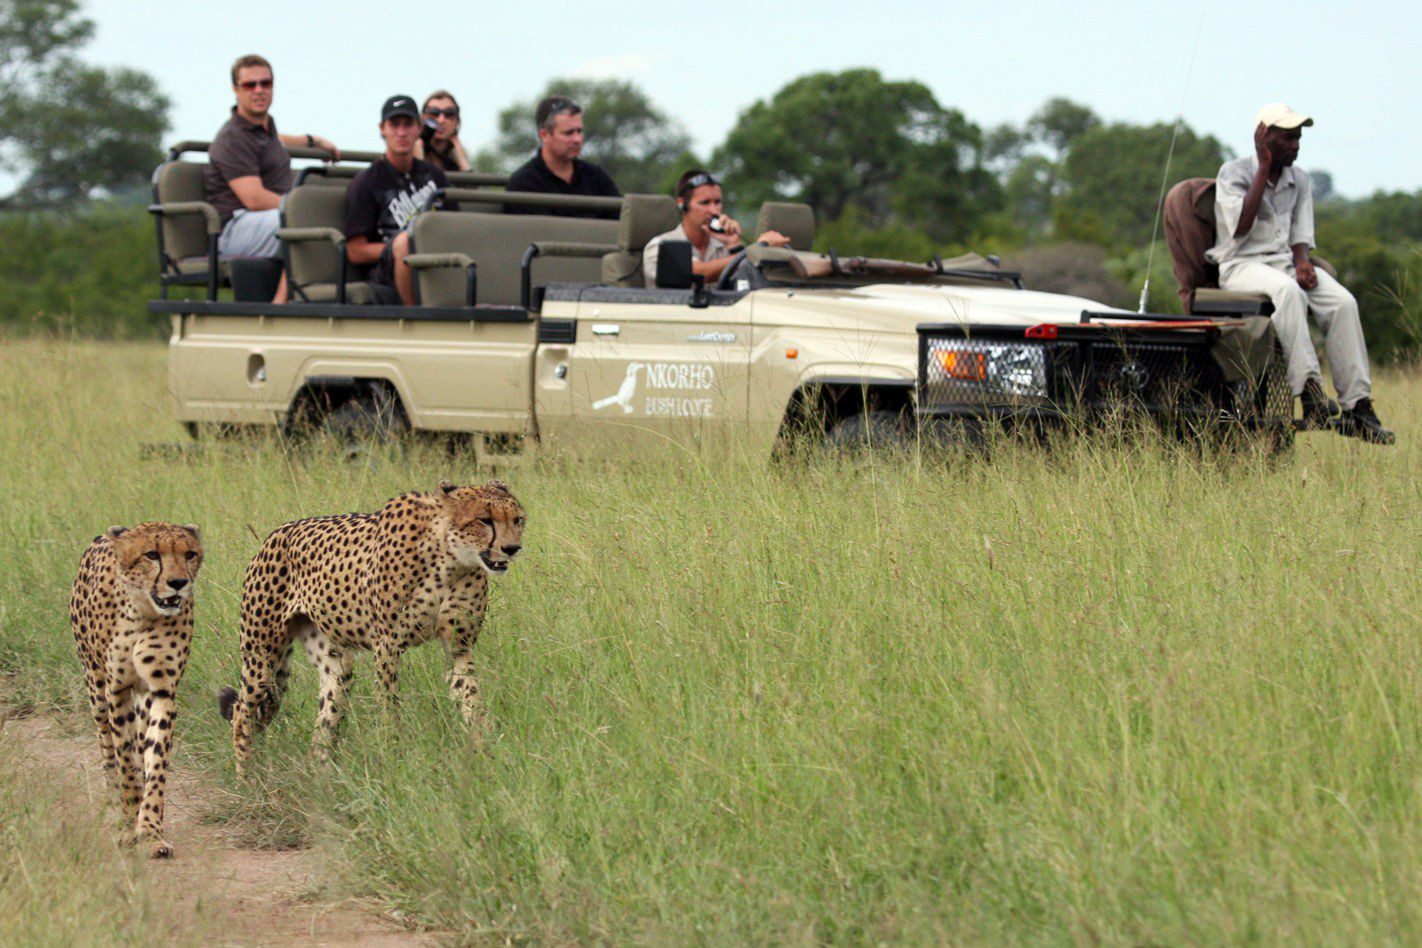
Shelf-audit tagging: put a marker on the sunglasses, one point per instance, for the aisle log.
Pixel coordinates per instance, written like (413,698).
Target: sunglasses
(697,180)
(252,84)
(452,112)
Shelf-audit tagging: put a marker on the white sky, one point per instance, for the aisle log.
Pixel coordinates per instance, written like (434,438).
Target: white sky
(1353,66)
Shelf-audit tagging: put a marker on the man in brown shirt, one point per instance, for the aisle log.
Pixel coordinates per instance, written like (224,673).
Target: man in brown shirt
(249,168)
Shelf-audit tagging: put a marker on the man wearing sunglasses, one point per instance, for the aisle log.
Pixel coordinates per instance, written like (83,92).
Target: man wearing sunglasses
(715,238)
(249,168)
(556,168)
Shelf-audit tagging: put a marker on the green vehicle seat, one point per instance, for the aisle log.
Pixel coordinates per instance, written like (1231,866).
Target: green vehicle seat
(796,221)
(313,219)
(188,228)
(644,216)
(444,243)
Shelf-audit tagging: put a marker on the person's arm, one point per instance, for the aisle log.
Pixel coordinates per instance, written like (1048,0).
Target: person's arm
(252,194)
(362,251)
(1301,232)
(461,157)
(311,141)
(362,220)
(1255,195)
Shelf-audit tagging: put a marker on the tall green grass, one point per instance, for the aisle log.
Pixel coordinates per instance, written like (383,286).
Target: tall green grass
(1112,692)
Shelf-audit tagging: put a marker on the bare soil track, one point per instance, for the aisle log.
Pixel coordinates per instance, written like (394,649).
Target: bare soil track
(217,890)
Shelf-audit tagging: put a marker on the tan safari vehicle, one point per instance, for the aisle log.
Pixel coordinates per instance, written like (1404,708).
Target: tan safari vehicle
(533,328)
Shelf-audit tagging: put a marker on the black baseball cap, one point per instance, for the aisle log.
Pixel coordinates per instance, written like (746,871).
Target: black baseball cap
(399,105)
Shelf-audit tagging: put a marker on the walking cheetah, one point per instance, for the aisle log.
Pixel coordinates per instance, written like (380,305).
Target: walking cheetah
(384,581)
(132,615)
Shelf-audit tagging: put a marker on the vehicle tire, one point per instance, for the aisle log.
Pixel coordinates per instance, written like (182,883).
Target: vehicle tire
(868,431)
(365,427)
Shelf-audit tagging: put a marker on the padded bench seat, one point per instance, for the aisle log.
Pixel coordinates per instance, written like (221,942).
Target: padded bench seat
(496,244)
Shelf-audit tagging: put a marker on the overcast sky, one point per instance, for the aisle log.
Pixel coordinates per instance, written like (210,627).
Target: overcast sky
(1353,66)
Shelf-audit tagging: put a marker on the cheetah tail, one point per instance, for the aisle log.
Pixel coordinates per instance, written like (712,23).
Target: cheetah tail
(226,698)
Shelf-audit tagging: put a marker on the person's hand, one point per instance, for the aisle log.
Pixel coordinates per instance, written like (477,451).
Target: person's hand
(325,144)
(1261,145)
(730,235)
(773,238)
(1305,274)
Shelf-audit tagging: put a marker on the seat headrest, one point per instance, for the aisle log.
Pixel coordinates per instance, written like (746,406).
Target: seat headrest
(644,216)
(796,221)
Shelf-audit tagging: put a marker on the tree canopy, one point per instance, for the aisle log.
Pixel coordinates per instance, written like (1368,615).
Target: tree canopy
(1111,179)
(626,134)
(854,140)
(69,130)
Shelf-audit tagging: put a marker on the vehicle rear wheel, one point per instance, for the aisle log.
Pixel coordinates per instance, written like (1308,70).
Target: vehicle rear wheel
(366,425)
(868,431)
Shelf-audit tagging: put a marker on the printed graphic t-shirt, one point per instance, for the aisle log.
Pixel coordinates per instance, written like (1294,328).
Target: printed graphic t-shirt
(381,202)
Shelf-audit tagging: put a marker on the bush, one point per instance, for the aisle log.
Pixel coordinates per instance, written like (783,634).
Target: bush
(1073,268)
(90,274)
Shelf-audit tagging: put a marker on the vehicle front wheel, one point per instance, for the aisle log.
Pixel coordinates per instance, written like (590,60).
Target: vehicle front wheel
(868,431)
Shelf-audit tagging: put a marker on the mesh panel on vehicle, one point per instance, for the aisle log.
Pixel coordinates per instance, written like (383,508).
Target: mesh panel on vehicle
(1105,373)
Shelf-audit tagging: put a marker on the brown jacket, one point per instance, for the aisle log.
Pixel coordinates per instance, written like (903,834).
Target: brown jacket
(1189,232)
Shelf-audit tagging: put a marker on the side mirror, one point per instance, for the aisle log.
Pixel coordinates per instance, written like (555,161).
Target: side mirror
(674,265)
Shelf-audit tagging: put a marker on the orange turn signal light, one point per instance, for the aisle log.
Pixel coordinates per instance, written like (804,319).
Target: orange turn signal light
(792,353)
(965,366)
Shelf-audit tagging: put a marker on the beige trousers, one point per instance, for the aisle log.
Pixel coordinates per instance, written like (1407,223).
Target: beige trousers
(1334,309)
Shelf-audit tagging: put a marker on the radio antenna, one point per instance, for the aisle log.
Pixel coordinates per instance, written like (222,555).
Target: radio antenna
(1165,173)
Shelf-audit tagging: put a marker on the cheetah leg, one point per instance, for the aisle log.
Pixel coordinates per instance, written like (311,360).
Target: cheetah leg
(161,669)
(157,743)
(460,620)
(258,676)
(99,709)
(123,725)
(266,645)
(271,704)
(387,669)
(334,665)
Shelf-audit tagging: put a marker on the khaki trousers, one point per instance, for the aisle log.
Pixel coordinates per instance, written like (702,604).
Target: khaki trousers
(1334,309)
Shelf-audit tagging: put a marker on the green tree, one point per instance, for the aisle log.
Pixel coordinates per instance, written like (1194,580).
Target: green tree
(1111,180)
(846,140)
(70,130)
(626,134)
(1060,122)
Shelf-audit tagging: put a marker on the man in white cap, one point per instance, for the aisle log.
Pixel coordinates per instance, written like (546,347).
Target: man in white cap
(1263,233)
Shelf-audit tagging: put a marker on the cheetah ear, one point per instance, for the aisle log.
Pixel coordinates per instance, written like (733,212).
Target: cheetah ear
(116,531)
(193,529)
(447,486)
(498,485)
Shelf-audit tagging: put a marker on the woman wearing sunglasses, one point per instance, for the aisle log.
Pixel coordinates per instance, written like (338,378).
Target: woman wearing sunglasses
(442,147)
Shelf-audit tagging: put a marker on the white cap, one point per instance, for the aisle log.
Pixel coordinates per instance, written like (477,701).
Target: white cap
(1279,115)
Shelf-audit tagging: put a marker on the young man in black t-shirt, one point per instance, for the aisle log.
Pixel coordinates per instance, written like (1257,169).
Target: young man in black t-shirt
(382,201)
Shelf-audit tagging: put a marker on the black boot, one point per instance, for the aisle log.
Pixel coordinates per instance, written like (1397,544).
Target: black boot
(1361,421)
(1319,411)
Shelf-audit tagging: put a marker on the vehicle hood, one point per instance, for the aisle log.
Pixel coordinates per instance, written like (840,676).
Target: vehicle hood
(892,308)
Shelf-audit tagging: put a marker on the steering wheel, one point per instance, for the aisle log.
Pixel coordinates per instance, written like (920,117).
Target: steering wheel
(727,279)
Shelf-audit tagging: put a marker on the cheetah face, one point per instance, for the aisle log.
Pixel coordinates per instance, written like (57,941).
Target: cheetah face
(485,525)
(158,563)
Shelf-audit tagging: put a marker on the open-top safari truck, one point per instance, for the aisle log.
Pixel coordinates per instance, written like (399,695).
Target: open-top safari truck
(530,327)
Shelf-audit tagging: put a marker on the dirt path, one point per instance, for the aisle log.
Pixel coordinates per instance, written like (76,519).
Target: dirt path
(233,895)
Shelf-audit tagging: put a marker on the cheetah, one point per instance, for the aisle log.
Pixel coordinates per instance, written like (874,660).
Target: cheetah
(132,616)
(417,568)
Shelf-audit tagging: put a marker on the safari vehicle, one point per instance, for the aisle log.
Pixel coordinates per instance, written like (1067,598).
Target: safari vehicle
(539,328)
